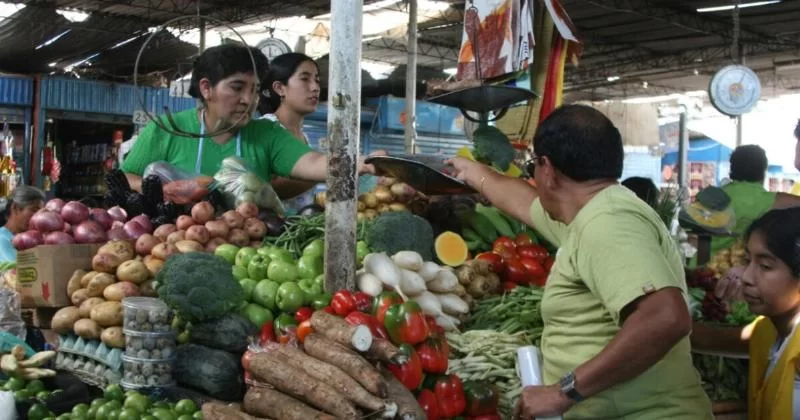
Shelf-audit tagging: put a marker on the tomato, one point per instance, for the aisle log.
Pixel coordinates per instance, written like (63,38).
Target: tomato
(495,261)
(303,330)
(537,252)
(533,267)
(503,242)
(548,264)
(515,272)
(523,239)
(506,253)
(508,285)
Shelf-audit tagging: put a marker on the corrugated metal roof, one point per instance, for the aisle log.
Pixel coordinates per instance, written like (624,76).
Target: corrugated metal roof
(16,90)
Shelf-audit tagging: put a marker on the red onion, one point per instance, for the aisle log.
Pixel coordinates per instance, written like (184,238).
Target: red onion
(67,228)
(101,216)
(89,232)
(118,234)
(118,213)
(55,205)
(144,221)
(27,240)
(117,224)
(134,229)
(46,221)
(75,212)
(58,238)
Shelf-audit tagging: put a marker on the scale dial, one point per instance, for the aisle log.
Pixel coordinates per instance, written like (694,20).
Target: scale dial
(273,47)
(735,90)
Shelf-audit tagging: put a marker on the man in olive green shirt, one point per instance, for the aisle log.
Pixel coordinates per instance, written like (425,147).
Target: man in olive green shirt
(616,319)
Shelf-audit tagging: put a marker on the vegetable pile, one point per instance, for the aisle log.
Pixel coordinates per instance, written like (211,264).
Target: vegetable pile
(388,195)
(726,259)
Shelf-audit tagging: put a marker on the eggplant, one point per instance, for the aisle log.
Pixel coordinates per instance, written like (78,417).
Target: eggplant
(311,210)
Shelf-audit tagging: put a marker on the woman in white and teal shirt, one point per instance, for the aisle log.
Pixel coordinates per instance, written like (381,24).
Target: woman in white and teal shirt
(292,92)
(16,213)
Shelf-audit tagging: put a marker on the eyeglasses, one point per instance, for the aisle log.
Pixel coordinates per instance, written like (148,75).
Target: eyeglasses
(530,164)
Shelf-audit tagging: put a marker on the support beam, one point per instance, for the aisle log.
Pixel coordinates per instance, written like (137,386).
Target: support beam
(411,81)
(344,99)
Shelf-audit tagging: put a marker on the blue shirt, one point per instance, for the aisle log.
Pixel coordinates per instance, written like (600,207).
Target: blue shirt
(7,251)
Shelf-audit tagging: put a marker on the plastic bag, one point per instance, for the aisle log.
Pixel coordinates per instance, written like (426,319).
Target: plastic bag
(180,186)
(241,185)
(10,314)
(8,407)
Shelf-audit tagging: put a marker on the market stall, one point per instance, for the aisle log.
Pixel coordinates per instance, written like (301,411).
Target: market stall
(16,118)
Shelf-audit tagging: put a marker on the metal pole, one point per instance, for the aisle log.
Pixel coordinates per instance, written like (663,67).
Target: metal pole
(739,120)
(344,97)
(683,149)
(411,80)
(202,35)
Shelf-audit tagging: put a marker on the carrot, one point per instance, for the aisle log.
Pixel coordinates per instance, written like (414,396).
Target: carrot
(269,368)
(384,351)
(219,411)
(338,330)
(316,345)
(338,379)
(407,406)
(267,402)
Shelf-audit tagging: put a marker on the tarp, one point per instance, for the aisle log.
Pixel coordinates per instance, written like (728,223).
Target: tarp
(701,150)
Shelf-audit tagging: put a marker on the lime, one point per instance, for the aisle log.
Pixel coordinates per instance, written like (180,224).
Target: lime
(113,414)
(185,417)
(65,416)
(35,386)
(162,414)
(185,406)
(198,415)
(91,414)
(43,395)
(148,417)
(161,404)
(15,384)
(38,411)
(128,414)
(113,392)
(138,402)
(97,403)
(102,412)
(22,395)
(80,409)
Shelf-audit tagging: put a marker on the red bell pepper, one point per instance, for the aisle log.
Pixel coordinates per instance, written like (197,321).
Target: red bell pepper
(329,309)
(375,327)
(405,323)
(363,302)
(450,393)
(382,303)
(343,302)
(433,353)
(435,329)
(410,372)
(482,398)
(267,333)
(303,314)
(428,403)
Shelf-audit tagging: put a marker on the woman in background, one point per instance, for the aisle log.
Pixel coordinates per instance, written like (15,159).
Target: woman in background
(23,203)
(292,92)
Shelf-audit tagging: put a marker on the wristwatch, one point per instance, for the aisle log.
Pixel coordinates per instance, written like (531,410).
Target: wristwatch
(567,385)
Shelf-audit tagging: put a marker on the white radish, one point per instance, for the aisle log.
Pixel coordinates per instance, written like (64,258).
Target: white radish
(447,322)
(411,283)
(429,271)
(429,303)
(408,260)
(369,284)
(452,304)
(444,282)
(381,266)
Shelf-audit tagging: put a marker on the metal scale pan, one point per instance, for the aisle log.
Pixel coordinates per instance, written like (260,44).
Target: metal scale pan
(426,174)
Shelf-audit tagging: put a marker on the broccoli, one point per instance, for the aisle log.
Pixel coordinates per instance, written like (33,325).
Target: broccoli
(492,147)
(199,286)
(401,231)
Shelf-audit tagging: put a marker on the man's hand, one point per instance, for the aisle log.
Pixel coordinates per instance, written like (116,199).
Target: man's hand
(729,288)
(541,401)
(468,171)
(364,168)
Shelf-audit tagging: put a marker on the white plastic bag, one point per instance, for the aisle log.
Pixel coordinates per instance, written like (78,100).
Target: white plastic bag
(8,409)
(240,185)
(11,314)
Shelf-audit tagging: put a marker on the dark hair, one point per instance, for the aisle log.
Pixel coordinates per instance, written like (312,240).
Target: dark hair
(781,229)
(217,63)
(644,188)
(748,164)
(581,142)
(23,196)
(281,69)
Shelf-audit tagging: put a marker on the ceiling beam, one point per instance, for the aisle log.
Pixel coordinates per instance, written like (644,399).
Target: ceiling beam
(426,49)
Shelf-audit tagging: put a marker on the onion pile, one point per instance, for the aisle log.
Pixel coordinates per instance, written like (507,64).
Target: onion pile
(60,223)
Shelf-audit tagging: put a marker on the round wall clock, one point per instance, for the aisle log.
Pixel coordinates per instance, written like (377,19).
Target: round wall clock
(734,90)
(273,47)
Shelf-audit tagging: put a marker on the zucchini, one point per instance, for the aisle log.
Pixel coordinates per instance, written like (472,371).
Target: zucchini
(493,215)
(482,226)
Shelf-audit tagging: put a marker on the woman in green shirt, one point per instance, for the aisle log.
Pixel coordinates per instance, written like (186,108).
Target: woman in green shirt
(224,82)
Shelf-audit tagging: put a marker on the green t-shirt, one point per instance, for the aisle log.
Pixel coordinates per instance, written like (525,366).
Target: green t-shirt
(749,201)
(616,250)
(266,146)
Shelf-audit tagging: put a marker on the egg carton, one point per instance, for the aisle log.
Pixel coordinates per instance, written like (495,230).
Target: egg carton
(91,349)
(88,369)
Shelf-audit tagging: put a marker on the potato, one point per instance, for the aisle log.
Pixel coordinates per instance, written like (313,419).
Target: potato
(202,212)
(184,222)
(163,231)
(123,249)
(79,296)
(189,246)
(106,263)
(99,283)
(118,291)
(145,244)
(86,278)
(176,236)
(238,237)
(112,337)
(255,228)
(64,320)
(212,245)
(106,314)
(163,251)
(198,233)
(74,282)
(86,307)
(153,264)
(147,289)
(88,329)
(218,228)
(133,271)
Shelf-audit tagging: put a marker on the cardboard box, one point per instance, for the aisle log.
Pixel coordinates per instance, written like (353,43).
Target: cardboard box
(43,272)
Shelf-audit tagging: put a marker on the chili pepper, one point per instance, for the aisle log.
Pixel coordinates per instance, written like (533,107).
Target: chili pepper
(303,314)
(433,353)
(450,393)
(410,372)
(405,323)
(375,327)
(363,302)
(267,333)
(329,309)
(343,302)
(428,403)
(482,398)
(382,303)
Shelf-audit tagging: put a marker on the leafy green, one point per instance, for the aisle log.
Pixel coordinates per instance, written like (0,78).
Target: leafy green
(739,314)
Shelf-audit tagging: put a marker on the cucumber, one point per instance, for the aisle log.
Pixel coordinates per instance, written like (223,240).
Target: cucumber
(475,245)
(516,225)
(470,235)
(493,215)
(482,226)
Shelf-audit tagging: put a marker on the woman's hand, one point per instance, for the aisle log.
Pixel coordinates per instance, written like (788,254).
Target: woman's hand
(364,168)
(729,288)
(541,401)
